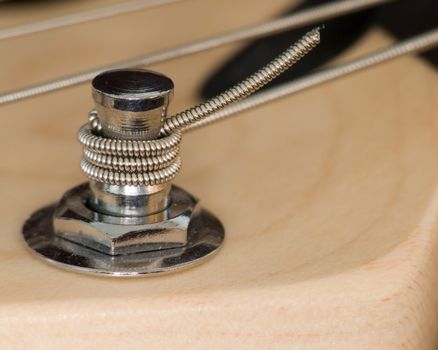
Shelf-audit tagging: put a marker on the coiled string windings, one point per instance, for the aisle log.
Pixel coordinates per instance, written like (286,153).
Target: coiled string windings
(129,162)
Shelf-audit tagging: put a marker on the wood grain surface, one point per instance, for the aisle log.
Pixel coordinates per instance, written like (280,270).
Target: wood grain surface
(329,199)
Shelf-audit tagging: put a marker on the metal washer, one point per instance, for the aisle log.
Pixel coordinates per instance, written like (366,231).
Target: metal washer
(205,236)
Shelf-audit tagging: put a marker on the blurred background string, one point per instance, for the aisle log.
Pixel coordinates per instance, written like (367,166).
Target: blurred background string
(79,17)
(298,19)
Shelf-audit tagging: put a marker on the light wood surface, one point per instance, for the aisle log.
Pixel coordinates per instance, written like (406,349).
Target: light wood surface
(329,199)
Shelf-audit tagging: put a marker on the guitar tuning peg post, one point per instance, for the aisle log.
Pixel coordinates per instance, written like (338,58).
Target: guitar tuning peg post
(128,220)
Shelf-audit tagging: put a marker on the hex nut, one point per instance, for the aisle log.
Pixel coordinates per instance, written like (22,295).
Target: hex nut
(75,221)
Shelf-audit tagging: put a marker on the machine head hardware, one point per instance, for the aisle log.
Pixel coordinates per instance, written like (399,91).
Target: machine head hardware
(128,220)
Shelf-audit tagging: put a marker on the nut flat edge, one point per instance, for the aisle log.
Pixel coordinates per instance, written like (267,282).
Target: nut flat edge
(206,235)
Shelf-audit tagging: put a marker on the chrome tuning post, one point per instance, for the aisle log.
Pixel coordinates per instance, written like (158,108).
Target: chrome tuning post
(128,219)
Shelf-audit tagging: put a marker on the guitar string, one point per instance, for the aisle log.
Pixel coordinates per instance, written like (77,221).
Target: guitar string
(298,19)
(245,88)
(415,44)
(125,162)
(81,17)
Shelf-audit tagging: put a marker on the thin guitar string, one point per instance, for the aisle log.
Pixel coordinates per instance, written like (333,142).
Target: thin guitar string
(80,17)
(415,44)
(301,18)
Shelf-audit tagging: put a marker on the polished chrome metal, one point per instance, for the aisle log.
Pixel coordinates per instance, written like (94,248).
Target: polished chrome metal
(205,237)
(81,17)
(130,107)
(416,44)
(76,221)
(129,200)
(245,88)
(129,168)
(131,103)
(128,220)
(304,17)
